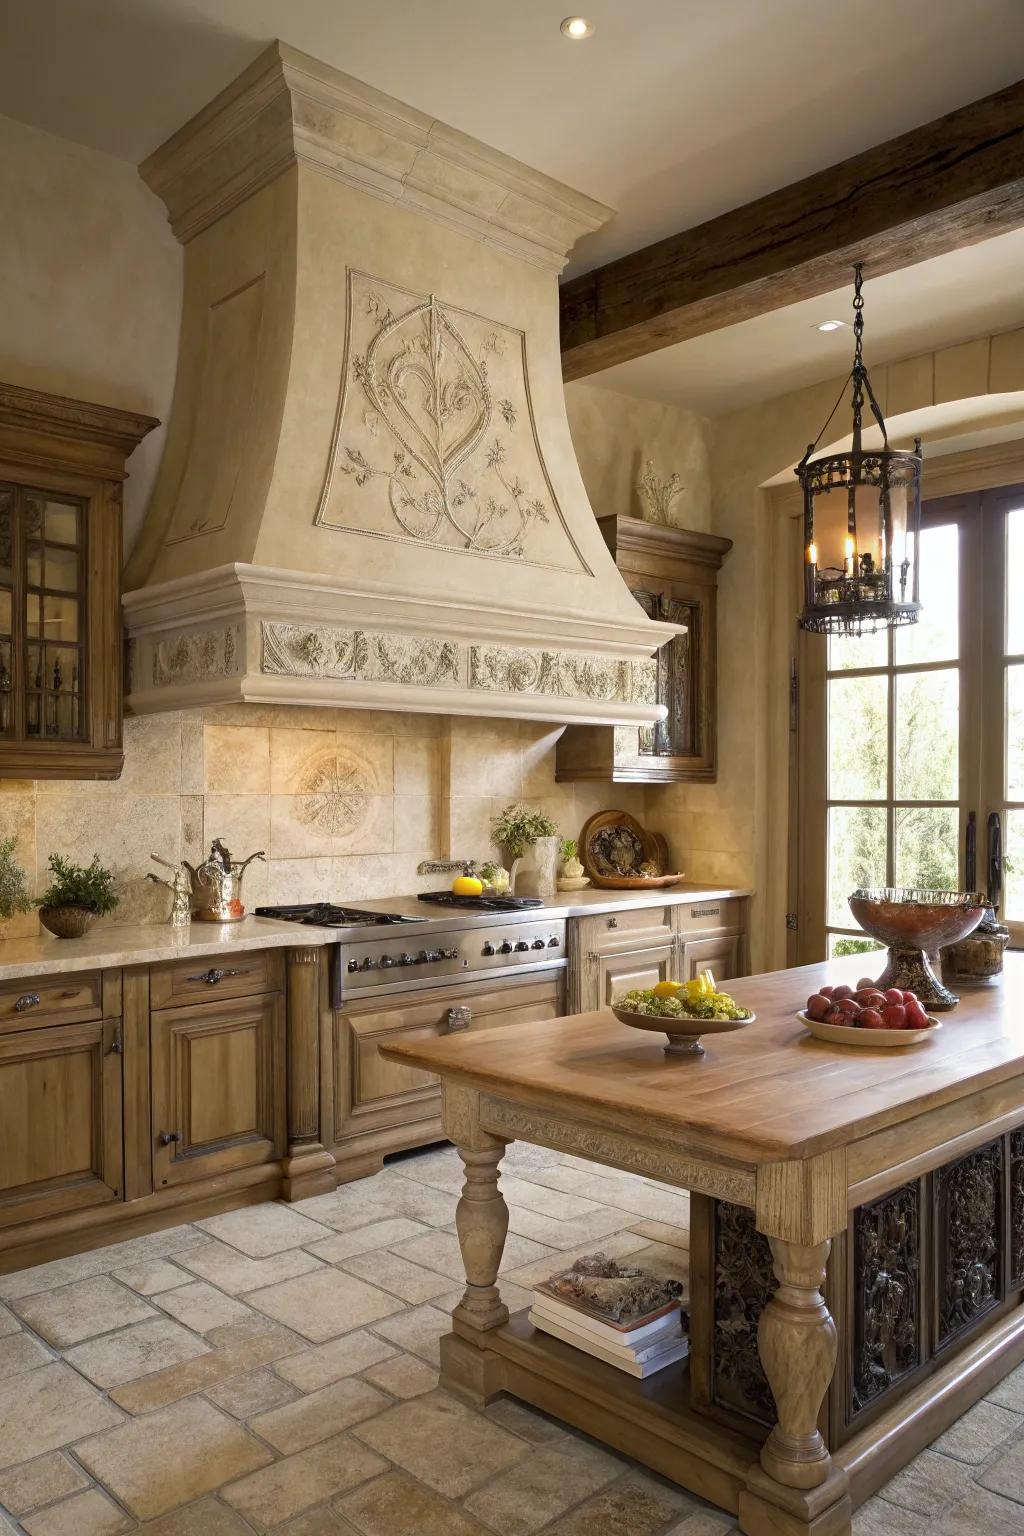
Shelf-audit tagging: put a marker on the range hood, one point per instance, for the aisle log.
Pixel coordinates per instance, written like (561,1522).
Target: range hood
(369,495)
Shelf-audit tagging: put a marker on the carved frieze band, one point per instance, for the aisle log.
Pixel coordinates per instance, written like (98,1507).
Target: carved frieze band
(605,1146)
(195,656)
(323,651)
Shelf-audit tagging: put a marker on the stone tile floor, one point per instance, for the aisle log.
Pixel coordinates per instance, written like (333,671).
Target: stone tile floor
(274,1369)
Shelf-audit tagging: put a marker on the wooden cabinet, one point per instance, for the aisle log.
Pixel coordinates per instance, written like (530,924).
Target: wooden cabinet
(61,466)
(381,1106)
(60,1120)
(612,953)
(673,574)
(218,1087)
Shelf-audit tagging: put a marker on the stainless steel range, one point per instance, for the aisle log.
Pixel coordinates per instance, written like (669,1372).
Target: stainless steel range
(384,951)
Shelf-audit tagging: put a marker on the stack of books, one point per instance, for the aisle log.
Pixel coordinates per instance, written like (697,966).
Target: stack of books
(639,1345)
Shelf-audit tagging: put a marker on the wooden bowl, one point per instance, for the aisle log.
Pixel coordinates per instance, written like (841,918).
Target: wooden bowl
(684,1034)
(850,1034)
(635,882)
(67,922)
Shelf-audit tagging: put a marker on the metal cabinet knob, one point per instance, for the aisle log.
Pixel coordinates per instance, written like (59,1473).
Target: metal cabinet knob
(213,975)
(168,1138)
(27,1000)
(613,922)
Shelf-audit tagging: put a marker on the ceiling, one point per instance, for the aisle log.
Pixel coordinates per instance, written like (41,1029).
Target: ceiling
(672,112)
(972,292)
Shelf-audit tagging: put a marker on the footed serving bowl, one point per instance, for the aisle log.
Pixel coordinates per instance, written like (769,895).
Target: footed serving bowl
(683,1034)
(914,924)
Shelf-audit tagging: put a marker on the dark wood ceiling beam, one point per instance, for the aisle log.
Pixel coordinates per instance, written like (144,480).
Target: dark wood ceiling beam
(947,184)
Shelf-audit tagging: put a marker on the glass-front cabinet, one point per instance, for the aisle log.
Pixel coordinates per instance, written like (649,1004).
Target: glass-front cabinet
(61,467)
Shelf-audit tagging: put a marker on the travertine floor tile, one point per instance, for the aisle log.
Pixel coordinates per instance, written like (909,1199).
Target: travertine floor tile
(1006,1474)
(397,1505)
(207,1517)
(525,1422)
(345,1209)
(929,1484)
(1009,1392)
(116,1358)
(880,1518)
(235,1273)
(405,1197)
(320,1415)
(296,1483)
(409,1281)
(167,1458)
(84,1514)
(418,1330)
(379,1234)
(48,1408)
(9,1323)
(557,1234)
(346,1356)
(404,1376)
(662,1259)
(316,1522)
(711,1522)
(151,1276)
(440,1251)
(981,1513)
(442,1442)
(514,1296)
(202,1307)
(324,1303)
(637,1505)
(619,1245)
(98,1261)
(976,1435)
(82,1310)
(542,1486)
(661,1232)
(49,1477)
(20,1352)
(260,1230)
(525,1193)
(256,1392)
(235,1348)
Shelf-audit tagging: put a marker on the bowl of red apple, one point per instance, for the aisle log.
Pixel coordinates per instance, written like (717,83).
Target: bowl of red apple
(867,1015)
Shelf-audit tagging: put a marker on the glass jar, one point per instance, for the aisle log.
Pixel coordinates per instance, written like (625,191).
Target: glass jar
(980,955)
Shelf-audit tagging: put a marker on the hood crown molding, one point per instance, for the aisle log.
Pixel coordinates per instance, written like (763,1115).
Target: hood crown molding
(289,109)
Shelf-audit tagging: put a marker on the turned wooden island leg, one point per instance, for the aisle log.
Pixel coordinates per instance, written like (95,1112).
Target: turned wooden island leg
(794,1490)
(481,1220)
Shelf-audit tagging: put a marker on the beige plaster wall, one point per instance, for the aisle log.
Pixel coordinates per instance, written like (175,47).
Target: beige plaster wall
(91,279)
(614,435)
(344,802)
(737,829)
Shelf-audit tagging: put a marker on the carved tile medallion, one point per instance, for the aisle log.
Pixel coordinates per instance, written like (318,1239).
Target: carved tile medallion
(744,1284)
(886,1294)
(435,441)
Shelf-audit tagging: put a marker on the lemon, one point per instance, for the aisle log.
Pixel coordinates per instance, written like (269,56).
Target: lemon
(667,988)
(467,885)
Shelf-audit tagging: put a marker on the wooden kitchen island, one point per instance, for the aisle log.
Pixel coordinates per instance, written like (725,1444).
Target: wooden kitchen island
(857,1252)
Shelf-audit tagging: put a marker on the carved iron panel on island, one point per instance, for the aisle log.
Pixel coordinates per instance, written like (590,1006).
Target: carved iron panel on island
(1017,1209)
(744,1284)
(968,1234)
(886,1294)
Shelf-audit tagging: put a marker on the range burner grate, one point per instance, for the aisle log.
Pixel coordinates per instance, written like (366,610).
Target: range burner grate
(326,914)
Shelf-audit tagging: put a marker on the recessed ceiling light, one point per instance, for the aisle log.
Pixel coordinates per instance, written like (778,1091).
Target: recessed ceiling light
(830,325)
(577,28)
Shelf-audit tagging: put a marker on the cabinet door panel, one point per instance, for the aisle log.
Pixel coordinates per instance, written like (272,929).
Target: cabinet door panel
(60,1120)
(721,955)
(218,1087)
(638,968)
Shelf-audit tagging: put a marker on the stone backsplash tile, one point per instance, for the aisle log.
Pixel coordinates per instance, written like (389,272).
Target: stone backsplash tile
(237,759)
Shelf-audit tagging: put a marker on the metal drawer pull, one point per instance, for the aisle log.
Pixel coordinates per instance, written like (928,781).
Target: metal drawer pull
(117,1044)
(213,975)
(168,1138)
(613,922)
(27,1000)
(458,1019)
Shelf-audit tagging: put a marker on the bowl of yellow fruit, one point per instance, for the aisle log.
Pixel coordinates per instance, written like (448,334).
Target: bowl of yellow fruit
(684,1011)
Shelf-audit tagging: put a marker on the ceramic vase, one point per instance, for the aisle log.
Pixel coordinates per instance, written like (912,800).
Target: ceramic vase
(539,868)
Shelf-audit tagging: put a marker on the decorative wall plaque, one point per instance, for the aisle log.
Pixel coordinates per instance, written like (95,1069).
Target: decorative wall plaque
(886,1296)
(744,1284)
(968,1201)
(435,441)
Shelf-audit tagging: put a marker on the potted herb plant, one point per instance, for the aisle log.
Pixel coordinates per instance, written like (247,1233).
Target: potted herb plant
(14,896)
(571,874)
(76,896)
(519,830)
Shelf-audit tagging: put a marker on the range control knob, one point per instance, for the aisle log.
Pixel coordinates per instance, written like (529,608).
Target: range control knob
(553,943)
(432,954)
(449,954)
(538,944)
(386,961)
(405,959)
(522,944)
(505,947)
(421,958)
(488,949)
(353,965)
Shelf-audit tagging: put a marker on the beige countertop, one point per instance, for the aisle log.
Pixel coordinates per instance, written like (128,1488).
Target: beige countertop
(109,947)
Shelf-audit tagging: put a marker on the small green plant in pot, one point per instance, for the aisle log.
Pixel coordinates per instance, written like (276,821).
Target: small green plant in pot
(14,896)
(76,896)
(515,831)
(571,874)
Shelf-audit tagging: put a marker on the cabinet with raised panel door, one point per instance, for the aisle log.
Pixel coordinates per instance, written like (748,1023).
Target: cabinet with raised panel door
(617,952)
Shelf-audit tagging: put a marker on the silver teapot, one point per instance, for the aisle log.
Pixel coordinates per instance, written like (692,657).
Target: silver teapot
(217,885)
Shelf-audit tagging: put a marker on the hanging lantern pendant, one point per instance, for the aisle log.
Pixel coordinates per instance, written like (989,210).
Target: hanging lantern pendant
(862,520)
